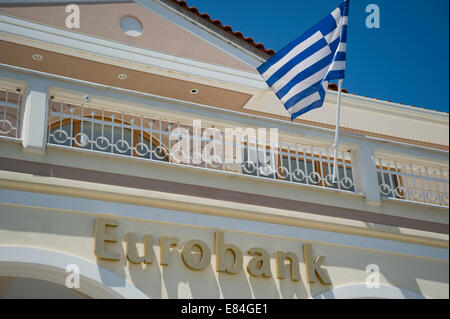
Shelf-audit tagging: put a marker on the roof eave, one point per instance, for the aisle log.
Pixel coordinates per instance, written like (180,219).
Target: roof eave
(232,38)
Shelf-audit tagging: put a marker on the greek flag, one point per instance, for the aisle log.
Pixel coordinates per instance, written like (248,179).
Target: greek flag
(299,73)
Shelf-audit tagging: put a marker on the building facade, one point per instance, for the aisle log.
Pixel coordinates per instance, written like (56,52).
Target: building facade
(98,98)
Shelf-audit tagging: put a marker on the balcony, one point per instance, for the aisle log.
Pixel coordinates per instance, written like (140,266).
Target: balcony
(133,135)
(412,182)
(124,124)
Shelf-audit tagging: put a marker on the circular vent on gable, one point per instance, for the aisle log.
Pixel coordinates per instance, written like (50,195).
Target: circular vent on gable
(131,26)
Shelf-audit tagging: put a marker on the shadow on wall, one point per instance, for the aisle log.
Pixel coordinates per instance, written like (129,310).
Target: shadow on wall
(178,281)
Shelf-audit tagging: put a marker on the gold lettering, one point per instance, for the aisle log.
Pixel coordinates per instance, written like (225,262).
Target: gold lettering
(164,247)
(314,267)
(221,249)
(132,252)
(188,258)
(102,237)
(281,267)
(259,265)
(196,255)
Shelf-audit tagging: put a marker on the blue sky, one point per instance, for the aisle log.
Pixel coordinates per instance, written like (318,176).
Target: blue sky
(406,60)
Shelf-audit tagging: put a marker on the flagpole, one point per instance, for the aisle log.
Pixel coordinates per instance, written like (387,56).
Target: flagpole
(336,136)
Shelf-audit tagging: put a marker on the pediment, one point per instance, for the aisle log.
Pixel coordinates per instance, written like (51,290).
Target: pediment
(102,20)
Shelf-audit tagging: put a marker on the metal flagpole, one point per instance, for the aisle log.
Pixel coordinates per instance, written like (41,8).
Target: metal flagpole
(336,136)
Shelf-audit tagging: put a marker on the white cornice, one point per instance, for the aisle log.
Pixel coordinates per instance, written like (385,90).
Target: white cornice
(389,108)
(107,51)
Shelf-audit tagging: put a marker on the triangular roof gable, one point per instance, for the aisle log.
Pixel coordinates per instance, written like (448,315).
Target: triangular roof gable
(166,30)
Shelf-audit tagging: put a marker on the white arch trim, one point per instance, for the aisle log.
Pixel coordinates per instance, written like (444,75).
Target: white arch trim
(51,265)
(362,291)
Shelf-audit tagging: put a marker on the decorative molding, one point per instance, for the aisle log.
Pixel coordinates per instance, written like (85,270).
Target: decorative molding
(106,51)
(258,228)
(201,31)
(390,108)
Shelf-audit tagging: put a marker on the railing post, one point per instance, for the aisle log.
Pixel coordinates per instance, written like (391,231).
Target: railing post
(35,114)
(366,180)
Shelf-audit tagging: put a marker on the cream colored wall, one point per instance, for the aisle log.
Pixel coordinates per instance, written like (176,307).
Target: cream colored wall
(73,233)
(369,115)
(245,184)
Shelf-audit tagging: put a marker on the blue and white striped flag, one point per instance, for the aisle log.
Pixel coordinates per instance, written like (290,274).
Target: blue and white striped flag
(299,73)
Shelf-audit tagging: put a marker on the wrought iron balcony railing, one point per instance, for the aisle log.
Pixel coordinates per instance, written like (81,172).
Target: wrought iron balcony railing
(10,102)
(413,182)
(109,130)
(105,130)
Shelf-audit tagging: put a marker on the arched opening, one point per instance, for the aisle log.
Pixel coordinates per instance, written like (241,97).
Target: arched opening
(30,288)
(50,266)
